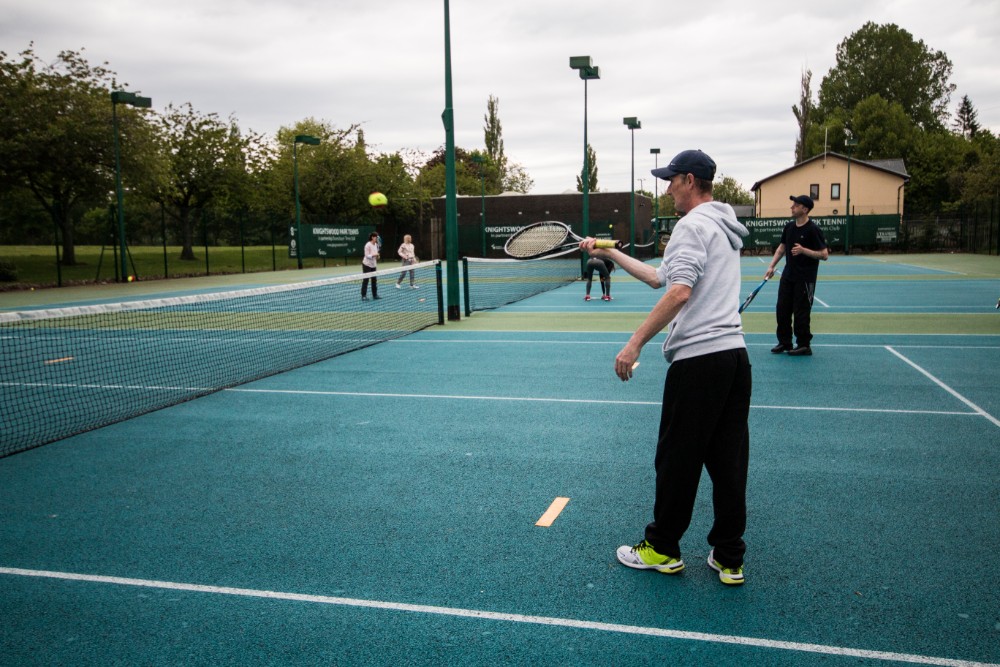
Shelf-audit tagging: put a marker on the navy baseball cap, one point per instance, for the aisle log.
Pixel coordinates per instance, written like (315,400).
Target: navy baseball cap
(805,201)
(688,162)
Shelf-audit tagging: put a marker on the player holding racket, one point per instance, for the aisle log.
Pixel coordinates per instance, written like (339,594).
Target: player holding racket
(803,241)
(706,394)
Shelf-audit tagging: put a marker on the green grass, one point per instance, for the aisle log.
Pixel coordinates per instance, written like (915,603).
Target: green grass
(35,266)
(849,323)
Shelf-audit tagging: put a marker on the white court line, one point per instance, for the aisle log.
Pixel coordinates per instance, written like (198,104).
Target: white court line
(528,399)
(978,410)
(917,266)
(504,618)
(659,343)
(585,401)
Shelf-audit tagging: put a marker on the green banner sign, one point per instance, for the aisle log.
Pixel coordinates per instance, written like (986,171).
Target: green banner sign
(329,241)
(864,230)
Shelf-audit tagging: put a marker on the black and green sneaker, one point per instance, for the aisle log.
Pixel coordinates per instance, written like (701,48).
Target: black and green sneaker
(731,576)
(644,557)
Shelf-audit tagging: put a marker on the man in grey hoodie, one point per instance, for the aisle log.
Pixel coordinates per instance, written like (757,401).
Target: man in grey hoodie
(706,394)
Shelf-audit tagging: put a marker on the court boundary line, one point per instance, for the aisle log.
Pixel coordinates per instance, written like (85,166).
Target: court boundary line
(981,412)
(530,399)
(502,617)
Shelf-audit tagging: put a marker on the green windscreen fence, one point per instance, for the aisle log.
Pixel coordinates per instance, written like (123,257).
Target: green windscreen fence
(867,231)
(70,370)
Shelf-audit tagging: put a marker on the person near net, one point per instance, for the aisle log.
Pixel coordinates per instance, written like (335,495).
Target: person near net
(408,256)
(797,286)
(706,393)
(604,267)
(369,265)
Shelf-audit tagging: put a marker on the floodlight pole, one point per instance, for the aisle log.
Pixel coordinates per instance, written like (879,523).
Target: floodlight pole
(633,124)
(311,141)
(656,188)
(851,142)
(122,97)
(480,160)
(587,70)
(450,188)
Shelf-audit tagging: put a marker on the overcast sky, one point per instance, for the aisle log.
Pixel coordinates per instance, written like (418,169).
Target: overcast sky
(721,76)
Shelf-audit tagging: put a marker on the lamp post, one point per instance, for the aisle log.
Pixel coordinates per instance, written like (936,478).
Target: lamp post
(633,124)
(450,185)
(122,97)
(310,141)
(480,160)
(655,152)
(587,70)
(851,142)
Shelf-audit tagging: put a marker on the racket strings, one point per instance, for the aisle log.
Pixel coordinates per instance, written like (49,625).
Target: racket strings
(535,240)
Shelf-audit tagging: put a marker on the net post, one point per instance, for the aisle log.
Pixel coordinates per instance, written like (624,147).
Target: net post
(440,293)
(465,286)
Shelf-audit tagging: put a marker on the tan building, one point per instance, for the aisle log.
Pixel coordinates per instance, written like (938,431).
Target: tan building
(876,187)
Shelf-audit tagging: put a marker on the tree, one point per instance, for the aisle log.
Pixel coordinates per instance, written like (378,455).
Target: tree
(517,180)
(729,191)
(203,157)
(886,60)
(982,180)
(934,161)
(56,137)
(666,207)
(828,135)
(803,115)
(592,176)
(882,129)
(493,132)
(966,122)
(502,175)
(431,180)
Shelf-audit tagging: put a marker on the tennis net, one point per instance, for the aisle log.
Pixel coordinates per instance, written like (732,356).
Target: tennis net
(491,283)
(71,370)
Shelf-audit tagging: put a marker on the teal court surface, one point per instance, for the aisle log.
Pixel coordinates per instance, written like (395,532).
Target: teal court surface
(382,506)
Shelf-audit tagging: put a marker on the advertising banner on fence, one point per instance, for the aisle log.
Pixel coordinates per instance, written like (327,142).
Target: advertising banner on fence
(329,241)
(864,231)
(765,233)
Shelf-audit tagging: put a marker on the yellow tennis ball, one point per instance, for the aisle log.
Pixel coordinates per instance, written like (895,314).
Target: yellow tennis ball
(378,200)
(131,278)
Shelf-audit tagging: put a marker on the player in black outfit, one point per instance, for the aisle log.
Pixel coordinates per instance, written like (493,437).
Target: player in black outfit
(604,268)
(798,281)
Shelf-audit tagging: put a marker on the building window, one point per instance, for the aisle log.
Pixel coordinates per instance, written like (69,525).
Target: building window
(814,191)
(835,191)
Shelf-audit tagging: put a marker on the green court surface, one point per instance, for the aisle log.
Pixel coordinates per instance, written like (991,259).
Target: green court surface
(380,507)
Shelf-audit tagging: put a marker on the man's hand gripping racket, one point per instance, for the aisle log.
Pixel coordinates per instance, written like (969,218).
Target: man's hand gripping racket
(547,239)
(746,302)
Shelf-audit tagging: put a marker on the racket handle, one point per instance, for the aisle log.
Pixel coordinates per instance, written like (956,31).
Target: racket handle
(606,243)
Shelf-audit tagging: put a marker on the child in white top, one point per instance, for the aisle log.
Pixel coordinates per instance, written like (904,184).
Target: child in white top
(409,257)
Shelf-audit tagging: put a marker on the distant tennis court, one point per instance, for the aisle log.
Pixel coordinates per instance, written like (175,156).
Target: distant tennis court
(455,495)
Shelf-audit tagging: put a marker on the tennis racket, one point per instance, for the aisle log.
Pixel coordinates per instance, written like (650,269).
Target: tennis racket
(546,239)
(746,302)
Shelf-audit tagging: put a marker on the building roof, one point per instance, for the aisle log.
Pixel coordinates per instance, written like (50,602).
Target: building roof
(893,166)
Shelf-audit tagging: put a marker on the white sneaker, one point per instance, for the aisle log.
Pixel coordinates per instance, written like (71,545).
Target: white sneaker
(398,287)
(643,556)
(415,286)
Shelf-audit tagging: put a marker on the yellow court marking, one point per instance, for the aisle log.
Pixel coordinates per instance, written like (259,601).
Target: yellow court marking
(59,361)
(552,512)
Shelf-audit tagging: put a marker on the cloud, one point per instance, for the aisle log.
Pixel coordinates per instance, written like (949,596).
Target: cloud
(723,80)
